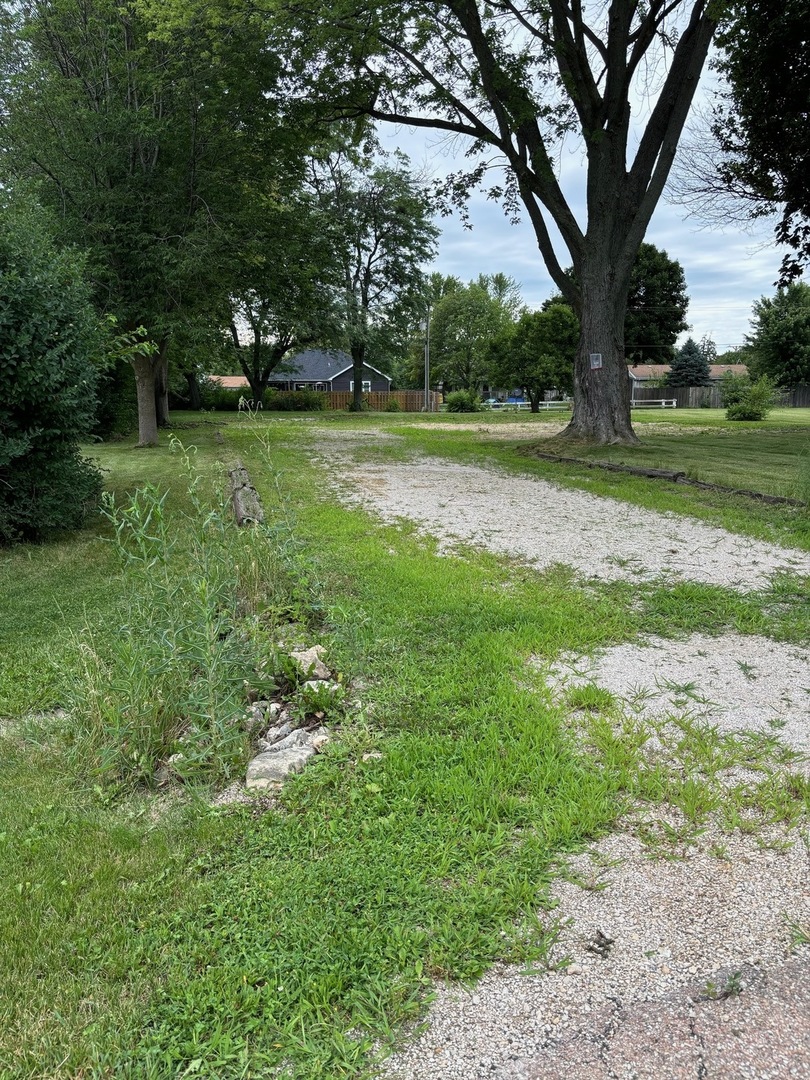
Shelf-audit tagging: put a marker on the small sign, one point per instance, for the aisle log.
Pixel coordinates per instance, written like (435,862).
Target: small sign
(596,360)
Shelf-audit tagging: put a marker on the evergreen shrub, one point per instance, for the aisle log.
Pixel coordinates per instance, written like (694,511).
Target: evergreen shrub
(50,339)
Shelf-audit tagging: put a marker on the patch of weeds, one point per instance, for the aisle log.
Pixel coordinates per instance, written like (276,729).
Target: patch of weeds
(748,670)
(683,693)
(590,698)
(719,850)
(664,840)
(170,686)
(729,987)
(799,934)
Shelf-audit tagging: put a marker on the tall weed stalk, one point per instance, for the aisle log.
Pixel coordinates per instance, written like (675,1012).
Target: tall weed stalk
(168,691)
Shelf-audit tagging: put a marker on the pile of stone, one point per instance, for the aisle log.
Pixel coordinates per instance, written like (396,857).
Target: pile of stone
(285,748)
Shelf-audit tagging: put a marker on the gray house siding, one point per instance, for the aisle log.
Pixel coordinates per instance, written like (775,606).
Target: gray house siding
(344,380)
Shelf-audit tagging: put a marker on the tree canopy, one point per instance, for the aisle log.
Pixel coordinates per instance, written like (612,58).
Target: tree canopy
(761,124)
(779,345)
(656,307)
(466,322)
(384,235)
(538,352)
(150,143)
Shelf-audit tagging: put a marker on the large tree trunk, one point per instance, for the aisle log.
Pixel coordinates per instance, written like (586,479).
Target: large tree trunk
(601,383)
(144,368)
(161,362)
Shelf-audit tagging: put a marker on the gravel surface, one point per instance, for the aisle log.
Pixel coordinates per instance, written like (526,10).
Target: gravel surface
(681,930)
(546,524)
(703,976)
(734,682)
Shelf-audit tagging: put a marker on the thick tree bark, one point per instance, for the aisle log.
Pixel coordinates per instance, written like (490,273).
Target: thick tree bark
(601,384)
(145,387)
(358,363)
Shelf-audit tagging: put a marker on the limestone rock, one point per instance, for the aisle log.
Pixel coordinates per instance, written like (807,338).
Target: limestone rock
(270,768)
(309,660)
(295,738)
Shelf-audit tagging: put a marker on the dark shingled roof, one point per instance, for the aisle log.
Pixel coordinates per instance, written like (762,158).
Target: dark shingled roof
(316,365)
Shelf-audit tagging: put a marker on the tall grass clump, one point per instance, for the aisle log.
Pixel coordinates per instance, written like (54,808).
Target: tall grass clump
(168,694)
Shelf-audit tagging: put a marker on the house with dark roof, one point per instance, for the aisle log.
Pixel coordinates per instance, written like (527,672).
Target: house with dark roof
(326,369)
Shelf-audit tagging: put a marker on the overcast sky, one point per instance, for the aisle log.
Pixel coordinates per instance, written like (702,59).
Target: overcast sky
(725,271)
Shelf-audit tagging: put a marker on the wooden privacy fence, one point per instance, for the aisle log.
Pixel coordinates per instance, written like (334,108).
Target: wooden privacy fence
(696,397)
(686,397)
(378,400)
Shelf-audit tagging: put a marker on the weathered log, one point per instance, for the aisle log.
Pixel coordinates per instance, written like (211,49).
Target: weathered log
(247,506)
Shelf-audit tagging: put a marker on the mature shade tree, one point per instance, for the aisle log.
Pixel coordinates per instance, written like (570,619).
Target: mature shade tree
(50,340)
(656,307)
(689,366)
(464,327)
(523,80)
(779,344)
(382,220)
(286,275)
(538,353)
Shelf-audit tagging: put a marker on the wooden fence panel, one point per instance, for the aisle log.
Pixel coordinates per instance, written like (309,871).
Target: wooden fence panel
(378,400)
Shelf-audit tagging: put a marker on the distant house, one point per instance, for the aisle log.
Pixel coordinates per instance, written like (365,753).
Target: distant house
(646,373)
(321,369)
(315,369)
(230,382)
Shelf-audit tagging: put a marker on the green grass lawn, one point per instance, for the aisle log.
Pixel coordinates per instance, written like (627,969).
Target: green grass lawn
(147,935)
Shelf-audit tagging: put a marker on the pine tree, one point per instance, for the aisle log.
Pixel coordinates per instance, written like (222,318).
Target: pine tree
(689,366)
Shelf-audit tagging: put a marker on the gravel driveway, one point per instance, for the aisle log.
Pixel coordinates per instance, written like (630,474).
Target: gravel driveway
(703,976)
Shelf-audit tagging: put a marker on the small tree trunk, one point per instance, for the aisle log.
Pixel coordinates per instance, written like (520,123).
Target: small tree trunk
(534,399)
(601,384)
(194,395)
(358,362)
(145,389)
(161,362)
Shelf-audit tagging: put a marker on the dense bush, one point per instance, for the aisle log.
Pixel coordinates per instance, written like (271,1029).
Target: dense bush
(49,337)
(464,401)
(295,400)
(733,387)
(222,398)
(754,402)
(393,405)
